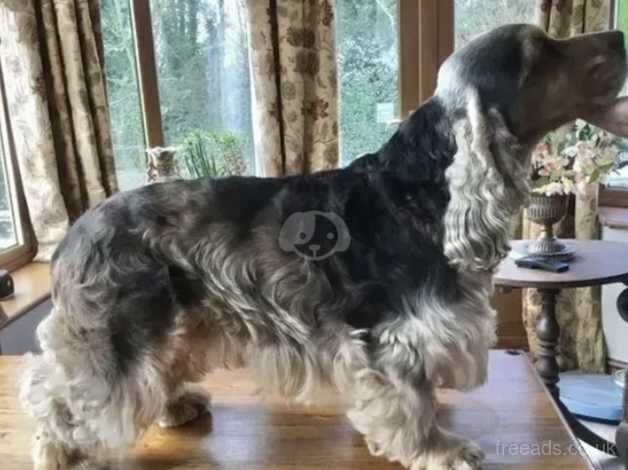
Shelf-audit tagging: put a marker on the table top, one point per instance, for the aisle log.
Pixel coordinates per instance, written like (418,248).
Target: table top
(596,262)
(509,417)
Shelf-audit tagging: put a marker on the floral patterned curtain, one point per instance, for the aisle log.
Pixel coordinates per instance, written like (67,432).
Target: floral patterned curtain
(294,83)
(52,63)
(579,312)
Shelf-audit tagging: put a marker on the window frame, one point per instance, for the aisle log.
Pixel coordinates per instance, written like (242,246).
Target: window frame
(24,250)
(146,67)
(430,25)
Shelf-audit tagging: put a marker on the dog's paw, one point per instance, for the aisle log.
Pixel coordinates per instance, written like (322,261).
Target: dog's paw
(468,456)
(190,405)
(452,453)
(53,455)
(48,455)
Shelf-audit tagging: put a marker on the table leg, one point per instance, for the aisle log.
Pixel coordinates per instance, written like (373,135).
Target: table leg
(622,304)
(548,333)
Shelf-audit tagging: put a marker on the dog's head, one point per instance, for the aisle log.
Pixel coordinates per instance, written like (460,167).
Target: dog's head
(502,93)
(535,83)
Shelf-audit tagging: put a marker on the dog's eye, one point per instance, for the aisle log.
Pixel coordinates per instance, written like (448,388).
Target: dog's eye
(330,236)
(302,235)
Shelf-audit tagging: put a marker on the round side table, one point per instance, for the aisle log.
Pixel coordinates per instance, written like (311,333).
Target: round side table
(595,263)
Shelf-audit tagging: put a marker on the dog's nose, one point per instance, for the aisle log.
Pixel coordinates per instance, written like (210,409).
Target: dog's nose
(314,247)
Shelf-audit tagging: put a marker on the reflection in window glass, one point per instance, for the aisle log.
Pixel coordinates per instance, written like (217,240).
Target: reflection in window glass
(204,85)
(122,93)
(368,65)
(474,17)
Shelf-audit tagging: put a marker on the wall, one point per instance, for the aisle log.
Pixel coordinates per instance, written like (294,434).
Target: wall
(615,329)
(511,333)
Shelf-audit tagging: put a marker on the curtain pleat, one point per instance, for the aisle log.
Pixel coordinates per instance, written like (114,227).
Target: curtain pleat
(293,67)
(51,52)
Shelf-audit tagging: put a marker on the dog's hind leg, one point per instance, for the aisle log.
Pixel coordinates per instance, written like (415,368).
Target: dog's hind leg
(53,444)
(86,412)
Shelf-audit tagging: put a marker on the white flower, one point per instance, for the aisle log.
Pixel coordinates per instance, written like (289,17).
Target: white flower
(568,185)
(570,151)
(572,157)
(554,188)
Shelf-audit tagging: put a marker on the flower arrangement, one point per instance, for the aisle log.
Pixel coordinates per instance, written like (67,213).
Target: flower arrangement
(569,159)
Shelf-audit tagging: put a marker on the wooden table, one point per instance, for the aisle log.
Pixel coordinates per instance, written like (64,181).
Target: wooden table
(595,263)
(509,417)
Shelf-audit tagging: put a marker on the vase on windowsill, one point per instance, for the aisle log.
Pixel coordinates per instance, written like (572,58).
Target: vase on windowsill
(161,165)
(546,211)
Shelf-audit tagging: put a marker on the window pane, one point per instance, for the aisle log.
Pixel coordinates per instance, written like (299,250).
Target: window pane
(201,48)
(8,234)
(474,17)
(122,92)
(368,65)
(620,177)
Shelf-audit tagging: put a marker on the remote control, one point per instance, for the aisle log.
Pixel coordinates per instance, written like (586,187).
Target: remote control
(540,262)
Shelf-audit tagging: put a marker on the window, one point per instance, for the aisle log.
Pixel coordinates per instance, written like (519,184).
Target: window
(124,102)
(619,180)
(368,63)
(8,230)
(178,74)
(378,57)
(193,78)
(15,242)
(204,86)
(473,17)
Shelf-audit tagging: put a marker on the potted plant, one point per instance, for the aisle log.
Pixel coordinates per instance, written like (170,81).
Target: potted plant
(206,153)
(566,162)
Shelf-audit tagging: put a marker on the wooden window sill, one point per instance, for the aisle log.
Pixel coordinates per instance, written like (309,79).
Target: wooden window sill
(613,197)
(614,217)
(32,287)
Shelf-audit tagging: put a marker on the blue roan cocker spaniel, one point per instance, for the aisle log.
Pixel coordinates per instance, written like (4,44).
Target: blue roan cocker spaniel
(372,279)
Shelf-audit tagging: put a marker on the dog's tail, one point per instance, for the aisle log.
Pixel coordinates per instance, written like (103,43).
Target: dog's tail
(82,407)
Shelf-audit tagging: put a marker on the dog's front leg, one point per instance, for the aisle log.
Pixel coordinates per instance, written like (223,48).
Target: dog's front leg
(397,417)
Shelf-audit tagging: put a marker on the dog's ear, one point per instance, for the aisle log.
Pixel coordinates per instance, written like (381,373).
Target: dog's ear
(488,186)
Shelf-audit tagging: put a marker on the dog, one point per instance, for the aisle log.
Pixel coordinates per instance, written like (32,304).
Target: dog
(372,279)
